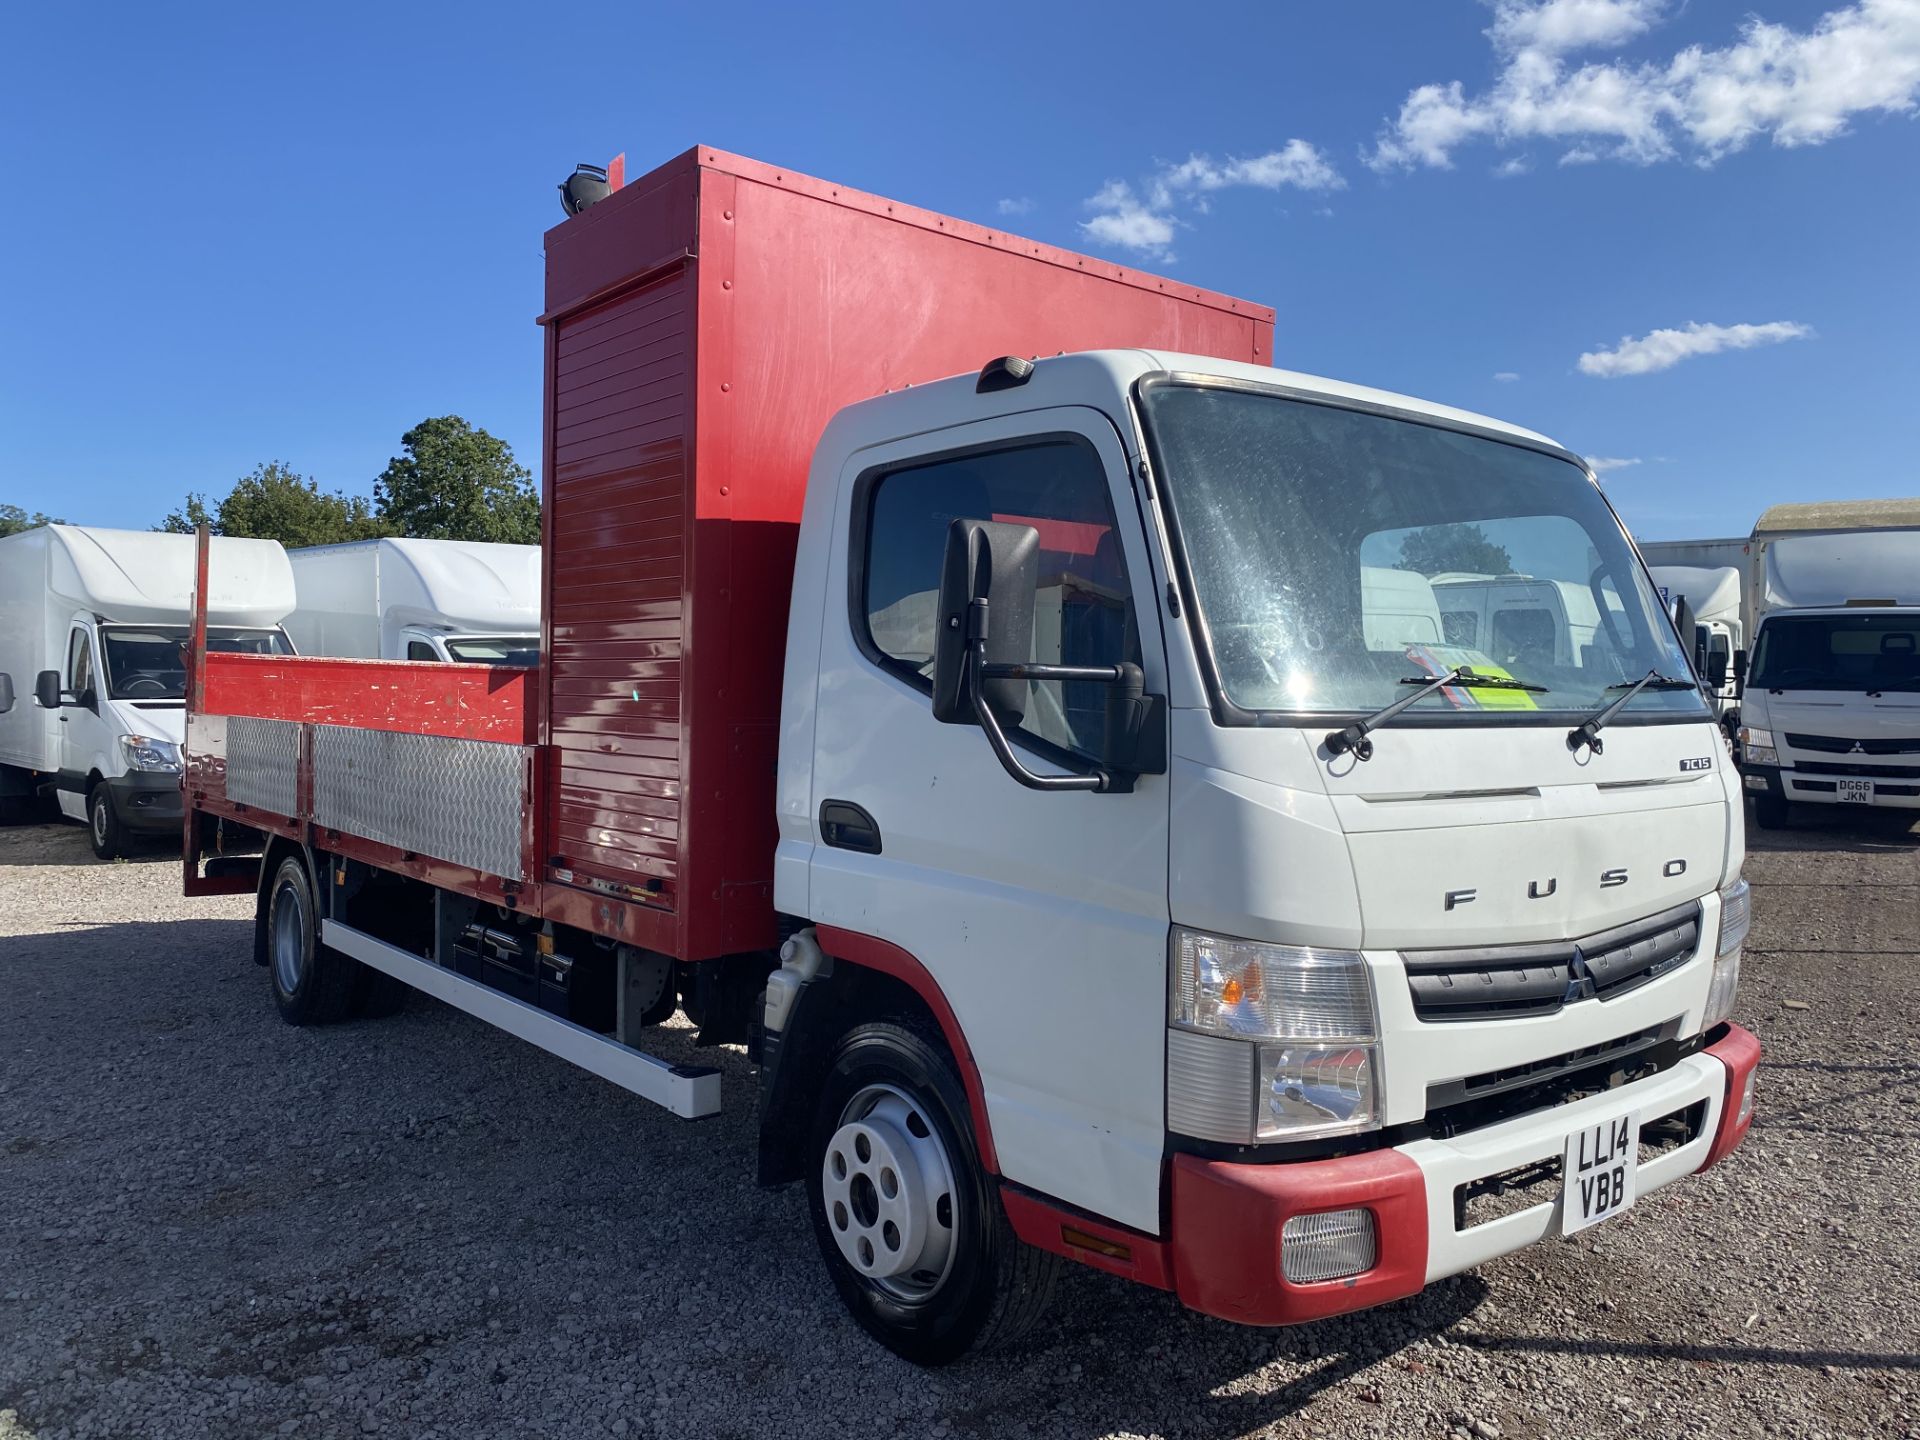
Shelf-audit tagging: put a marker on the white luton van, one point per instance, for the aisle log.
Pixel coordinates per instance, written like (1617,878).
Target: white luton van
(439,600)
(1831,710)
(93,671)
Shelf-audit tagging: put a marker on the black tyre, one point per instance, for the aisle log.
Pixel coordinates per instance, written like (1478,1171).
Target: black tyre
(103,826)
(311,984)
(908,1220)
(1770,812)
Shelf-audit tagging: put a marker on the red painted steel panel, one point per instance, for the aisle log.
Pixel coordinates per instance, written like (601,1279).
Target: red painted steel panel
(618,466)
(467,702)
(702,326)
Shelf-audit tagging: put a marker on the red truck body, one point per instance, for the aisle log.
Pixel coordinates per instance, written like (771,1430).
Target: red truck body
(702,325)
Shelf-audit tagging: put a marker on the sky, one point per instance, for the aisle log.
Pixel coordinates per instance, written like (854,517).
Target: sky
(1680,238)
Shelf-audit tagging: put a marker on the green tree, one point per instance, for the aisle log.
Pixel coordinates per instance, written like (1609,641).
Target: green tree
(1440,548)
(13,520)
(277,503)
(457,482)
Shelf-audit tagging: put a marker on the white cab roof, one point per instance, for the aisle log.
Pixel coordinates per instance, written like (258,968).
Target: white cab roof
(465,585)
(146,577)
(1807,572)
(1091,376)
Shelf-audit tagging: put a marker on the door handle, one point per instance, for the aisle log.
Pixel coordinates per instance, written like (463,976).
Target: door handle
(846,826)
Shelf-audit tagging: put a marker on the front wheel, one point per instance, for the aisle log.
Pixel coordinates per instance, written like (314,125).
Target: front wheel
(103,826)
(1770,812)
(907,1219)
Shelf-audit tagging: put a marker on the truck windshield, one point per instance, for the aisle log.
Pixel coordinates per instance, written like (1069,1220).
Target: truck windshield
(149,662)
(1860,652)
(1334,553)
(514,650)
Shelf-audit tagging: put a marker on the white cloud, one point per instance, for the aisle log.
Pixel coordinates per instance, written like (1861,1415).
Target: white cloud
(1662,349)
(1507,169)
(1145,222)
(1794,87)
(1602,464)
(1019,205)
(1120,220)
(1506,377)
(1557,26)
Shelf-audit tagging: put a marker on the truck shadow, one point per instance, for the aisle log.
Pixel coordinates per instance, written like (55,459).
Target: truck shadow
(1830,828)
(64,842)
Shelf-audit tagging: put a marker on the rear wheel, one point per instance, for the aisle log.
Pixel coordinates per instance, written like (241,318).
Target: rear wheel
(1770,812)
(311,984)
(103,826)
(907,1219)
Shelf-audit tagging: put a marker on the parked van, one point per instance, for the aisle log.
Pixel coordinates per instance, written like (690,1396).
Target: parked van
(94,628)
(439,600)
(1518,620)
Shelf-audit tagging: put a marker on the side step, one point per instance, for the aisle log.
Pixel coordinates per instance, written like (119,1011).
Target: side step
(691,1092)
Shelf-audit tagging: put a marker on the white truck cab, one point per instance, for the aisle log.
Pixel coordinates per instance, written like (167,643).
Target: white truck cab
(1384,891)
(1831,709)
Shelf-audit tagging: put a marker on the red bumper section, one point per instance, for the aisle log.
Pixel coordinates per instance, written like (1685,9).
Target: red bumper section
(1223,1255)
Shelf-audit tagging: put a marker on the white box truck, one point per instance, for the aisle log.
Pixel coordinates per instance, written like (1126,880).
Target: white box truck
(1715,597)
(93,637)
(444,600)
(1831,710)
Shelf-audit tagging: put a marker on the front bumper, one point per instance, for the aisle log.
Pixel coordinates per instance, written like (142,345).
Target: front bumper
(146,800)
(1226,1219)
(1784,782)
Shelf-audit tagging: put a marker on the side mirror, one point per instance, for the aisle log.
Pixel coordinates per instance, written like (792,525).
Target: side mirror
(46,689)
(6,693)
(986,565)
(982,649)
(1716,668)
(1739,670)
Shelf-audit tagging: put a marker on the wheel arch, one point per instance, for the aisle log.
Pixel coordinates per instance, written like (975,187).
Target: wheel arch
(871,979)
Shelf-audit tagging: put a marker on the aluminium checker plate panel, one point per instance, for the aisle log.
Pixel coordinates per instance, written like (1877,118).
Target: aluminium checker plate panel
(263,764)
(461,801)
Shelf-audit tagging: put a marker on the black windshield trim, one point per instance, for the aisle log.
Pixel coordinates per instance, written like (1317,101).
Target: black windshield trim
(1227,711)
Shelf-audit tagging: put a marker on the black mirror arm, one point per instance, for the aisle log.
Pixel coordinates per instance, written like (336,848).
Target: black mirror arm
(977,670)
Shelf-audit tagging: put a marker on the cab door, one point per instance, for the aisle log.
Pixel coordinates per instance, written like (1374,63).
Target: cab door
(81,730)
(1041,916)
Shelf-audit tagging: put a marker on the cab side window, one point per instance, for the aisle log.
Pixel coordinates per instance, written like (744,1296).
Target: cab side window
(1083,608)
(420,650)
(80,663)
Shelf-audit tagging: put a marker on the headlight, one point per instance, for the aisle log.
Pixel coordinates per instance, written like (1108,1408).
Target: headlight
(1269,1042)
(147,754)
(1756,746)
(1736,917)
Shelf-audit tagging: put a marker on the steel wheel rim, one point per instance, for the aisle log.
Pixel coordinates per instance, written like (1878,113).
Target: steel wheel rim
(289,933)
(890,1194)
(100,823)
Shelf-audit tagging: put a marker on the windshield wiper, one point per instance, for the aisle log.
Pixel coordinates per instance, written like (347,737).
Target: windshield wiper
(1587,732)
(1908,684)
(1354,736)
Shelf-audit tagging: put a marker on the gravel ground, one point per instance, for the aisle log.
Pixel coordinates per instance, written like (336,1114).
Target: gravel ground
(212,1224)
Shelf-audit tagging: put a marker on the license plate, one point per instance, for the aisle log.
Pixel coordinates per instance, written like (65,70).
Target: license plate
(1599,1172)
(1856,792)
